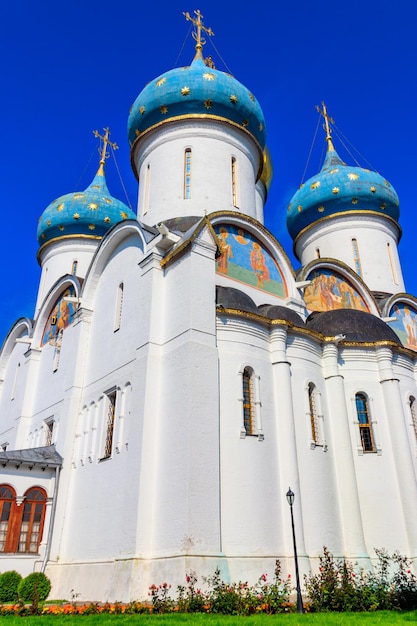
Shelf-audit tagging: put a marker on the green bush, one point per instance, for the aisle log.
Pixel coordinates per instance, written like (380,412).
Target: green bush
(391,585)
(9,583)
(34,588)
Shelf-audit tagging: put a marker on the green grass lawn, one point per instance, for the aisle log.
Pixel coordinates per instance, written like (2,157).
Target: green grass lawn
(329,619)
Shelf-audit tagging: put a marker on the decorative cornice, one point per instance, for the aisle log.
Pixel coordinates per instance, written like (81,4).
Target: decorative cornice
(260,319)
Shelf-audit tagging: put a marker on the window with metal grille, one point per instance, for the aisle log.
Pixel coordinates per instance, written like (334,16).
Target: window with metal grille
(413,410)
(314,414)
(110,413)
(32,520)
(248,408)
(187,174)
(365,429)
(49,429)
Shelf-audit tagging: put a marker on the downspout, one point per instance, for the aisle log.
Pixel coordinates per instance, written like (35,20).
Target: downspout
(51,521)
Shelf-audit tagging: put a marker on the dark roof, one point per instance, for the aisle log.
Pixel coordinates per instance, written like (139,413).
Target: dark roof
(46,456)
(356,325)
(231,298)
(277,312)
(181,225)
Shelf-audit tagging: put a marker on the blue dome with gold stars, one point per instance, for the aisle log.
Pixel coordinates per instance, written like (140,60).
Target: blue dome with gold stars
(340,188)
(196,91)
(90,213)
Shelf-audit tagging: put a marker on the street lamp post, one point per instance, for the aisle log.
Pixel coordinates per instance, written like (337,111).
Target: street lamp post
(290,499)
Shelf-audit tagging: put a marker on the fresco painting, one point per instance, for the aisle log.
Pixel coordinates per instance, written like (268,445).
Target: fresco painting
(244,259)
(60,317)
(405,324)
(330,291)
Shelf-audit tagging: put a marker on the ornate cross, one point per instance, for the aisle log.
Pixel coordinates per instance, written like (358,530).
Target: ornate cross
(106,142)
(200,27)
(327,119)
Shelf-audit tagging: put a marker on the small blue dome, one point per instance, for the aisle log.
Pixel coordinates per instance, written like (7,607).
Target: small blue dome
(340,188)
(89,213)
(196,91)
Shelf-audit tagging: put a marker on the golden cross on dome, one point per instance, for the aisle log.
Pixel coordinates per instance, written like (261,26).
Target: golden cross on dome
(103,151)
(197,34)
(327,119)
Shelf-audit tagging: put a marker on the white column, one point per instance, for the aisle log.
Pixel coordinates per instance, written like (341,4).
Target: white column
(344,468)
(286,441)
(405,476)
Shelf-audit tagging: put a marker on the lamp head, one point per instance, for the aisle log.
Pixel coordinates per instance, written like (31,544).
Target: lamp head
(290,496)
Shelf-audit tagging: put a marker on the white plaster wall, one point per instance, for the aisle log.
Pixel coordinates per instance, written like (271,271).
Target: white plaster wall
(334,239)
(213,147)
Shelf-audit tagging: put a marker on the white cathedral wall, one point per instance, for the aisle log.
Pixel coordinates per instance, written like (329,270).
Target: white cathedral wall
(160,163)
(377,245)
(12,395)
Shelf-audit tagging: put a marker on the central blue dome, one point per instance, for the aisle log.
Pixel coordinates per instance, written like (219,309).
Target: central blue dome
(196,91)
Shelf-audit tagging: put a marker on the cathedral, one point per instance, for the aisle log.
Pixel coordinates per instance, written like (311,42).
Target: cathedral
(179,375)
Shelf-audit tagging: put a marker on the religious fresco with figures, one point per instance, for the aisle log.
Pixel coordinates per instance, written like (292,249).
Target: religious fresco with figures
(246,260)
(329,290)
(405,324)
(61,316)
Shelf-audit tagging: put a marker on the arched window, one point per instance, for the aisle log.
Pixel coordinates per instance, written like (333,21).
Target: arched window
(147,189)
(365,428)
(234,182)
(119,307)
(74,268)
(314,414)
(33,517)
(7,506)
(413,410)
(356,258)
(187,173)
(392,264)
(248,404)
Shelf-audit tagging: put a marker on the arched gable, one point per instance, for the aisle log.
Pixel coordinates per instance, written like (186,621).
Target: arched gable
(252,256)
(401,313)
(108,246)
(22,328)
(335,286)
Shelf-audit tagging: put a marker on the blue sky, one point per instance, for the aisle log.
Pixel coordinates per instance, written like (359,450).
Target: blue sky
(68,68)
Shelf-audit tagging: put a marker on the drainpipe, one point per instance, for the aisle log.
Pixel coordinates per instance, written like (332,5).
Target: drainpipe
(51,521)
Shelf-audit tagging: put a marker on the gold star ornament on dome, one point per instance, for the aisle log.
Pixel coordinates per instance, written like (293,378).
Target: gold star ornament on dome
(185,91)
